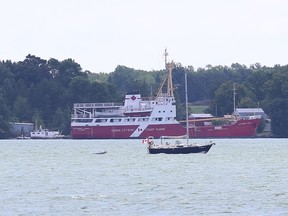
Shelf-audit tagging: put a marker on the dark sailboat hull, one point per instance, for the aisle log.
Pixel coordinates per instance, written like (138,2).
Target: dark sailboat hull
(181,150)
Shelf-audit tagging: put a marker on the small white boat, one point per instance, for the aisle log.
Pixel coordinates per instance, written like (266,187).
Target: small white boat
(22,137)
(45,134)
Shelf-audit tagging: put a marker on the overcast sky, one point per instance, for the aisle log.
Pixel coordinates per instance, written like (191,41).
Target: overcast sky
(101,34)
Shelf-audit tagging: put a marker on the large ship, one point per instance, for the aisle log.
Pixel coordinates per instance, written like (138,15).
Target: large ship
(139,118)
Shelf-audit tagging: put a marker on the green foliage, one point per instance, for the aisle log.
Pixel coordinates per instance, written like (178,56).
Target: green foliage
(218,122)
(262,125)
(278,111)
(129,80)
(199,109)
(4,117)
(22,109)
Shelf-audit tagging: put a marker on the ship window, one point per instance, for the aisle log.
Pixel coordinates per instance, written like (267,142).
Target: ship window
(101,120)
(115,120)
(143,119)
(157,119)
(84,120)
(130,120)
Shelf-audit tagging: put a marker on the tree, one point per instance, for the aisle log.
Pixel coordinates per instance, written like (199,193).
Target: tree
(61,120)
(66,71)
(279,115)
(22,110)
(4,117)
(32,70)
(223,99)
(79,90)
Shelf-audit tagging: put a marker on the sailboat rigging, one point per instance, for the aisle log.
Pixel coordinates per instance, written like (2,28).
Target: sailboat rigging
(170,145)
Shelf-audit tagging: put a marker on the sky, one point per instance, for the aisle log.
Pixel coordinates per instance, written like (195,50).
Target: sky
(102,34)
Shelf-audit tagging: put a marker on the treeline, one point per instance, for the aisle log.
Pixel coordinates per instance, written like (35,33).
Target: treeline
(43,91)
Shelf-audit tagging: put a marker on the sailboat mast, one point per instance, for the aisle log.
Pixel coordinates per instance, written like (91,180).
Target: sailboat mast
(234,98)
(186,103)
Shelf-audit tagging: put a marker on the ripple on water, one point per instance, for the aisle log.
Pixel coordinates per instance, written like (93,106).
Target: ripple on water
(65,177)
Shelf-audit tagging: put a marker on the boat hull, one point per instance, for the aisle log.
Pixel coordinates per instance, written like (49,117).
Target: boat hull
(126,131)
(240,129)
(181,150)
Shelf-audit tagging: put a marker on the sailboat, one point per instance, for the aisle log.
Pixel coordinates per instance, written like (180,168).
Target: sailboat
(177,145)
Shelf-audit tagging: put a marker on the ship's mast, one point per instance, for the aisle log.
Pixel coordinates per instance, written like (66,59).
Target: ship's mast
(234,98)
(168,78)
(169,67)
(186,106)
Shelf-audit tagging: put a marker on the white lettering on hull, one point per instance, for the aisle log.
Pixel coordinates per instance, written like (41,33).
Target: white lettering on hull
(139,130)
(122,130)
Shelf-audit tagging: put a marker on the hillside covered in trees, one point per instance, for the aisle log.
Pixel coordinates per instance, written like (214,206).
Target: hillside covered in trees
(43,91)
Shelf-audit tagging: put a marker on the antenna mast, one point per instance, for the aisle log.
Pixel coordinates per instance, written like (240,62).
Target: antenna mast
(186,103)
(169,67)
(165,54)
(168,78)
(234,97)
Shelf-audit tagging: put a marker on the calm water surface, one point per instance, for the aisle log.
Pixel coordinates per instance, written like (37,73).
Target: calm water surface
(66,177)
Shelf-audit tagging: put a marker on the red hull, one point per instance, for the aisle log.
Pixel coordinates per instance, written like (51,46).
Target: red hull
(125,132)
(242,128)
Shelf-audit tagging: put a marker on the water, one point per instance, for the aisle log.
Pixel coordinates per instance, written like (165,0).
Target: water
(66,177)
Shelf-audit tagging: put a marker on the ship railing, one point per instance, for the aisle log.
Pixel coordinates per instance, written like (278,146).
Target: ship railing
(161,97)
(80,116)
(132,109)
(96,105)
(250,117)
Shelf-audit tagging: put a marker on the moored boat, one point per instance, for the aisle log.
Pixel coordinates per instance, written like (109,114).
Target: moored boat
(46,134)
(22,137)
(178,146)
(139,118)
(174,145)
